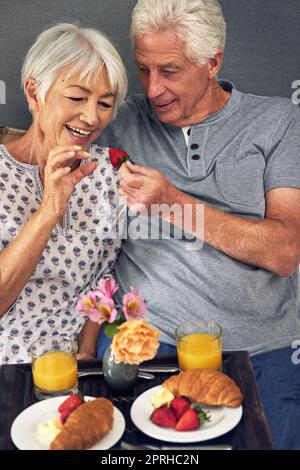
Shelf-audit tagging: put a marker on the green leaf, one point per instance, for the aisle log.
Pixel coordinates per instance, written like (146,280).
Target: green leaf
(122,319)
(81,395)
(123,160)
(110,330)
(203,416)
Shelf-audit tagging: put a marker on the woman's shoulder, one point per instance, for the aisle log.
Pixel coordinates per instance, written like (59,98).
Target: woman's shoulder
(100,154)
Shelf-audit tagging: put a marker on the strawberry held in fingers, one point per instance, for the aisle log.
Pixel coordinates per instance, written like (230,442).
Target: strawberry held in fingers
(117,157)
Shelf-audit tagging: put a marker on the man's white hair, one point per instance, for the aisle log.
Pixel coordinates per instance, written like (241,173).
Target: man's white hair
(85,50)
(199,23)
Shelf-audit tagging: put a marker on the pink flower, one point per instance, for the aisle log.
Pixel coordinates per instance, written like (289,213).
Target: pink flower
(107,288)
(98,309)
(133,305)
(85,305)
(105,312)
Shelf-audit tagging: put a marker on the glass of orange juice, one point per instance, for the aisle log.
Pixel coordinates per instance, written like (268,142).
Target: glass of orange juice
(54,366)
(199,345)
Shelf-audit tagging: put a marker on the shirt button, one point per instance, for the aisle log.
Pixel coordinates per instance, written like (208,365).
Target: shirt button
(194,146)
(189,132)
(196,157)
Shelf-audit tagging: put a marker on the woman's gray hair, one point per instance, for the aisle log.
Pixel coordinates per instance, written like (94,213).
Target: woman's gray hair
(85,50)
(199,23)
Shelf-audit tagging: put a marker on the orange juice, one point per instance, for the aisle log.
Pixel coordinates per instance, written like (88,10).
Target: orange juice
(199,350)
(55,371)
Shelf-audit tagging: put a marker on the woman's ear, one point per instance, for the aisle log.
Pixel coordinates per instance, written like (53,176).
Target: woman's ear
(215,64)
(31,94)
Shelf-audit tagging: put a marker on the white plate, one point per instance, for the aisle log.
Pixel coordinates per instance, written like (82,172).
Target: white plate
(24,430)
(222,420)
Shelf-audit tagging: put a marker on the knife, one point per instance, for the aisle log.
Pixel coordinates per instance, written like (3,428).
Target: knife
(161,369)
(142,375)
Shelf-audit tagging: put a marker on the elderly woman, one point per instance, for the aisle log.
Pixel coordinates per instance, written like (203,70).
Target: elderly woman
(58,193)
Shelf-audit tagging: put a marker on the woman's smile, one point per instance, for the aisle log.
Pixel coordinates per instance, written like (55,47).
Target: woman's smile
(78,135)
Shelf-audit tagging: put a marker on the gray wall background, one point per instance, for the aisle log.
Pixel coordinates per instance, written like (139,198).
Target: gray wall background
(262,54)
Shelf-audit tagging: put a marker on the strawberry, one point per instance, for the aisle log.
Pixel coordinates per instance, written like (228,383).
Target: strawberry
(117,157)
(68,406)
(64,416)
(189,421)
(164,417)
(71,403)
(179,405)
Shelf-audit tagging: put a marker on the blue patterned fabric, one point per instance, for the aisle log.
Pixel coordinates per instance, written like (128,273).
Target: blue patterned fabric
(73,260)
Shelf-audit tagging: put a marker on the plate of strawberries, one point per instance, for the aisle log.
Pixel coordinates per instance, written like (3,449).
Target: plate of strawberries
(178,419)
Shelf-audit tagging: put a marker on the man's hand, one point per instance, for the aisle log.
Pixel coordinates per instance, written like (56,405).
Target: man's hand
(272,243)
(143,186)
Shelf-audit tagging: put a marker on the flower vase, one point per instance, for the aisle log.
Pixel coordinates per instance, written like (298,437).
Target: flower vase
(119,377)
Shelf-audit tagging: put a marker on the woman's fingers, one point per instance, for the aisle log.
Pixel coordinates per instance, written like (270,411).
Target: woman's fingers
(58,174)
(82,171)
(64,158)
(60,179)
(63,148)
(75,175)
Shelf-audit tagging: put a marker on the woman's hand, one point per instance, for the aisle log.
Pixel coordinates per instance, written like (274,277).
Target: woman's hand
(86,351)
(85,355)
(87,340)
(60,179)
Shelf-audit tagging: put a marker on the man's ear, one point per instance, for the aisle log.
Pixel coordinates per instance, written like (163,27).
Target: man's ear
(31,94)
(215,64)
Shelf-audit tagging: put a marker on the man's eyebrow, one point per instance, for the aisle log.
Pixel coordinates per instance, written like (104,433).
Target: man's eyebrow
(171,65)
(87,90)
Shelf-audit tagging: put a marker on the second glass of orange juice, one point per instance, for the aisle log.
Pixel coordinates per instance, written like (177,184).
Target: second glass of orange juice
(199,345)
(54,366)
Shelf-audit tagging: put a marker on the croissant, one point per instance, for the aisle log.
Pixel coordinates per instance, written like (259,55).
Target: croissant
(205,386)
(85,426)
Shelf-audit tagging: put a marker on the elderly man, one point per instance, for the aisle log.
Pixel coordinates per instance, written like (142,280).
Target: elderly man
(234,158)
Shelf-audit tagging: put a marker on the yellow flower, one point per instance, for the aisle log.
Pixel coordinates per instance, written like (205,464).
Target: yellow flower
(135,342)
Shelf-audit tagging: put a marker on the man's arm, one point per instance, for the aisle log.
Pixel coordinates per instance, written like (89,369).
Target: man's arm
(272,243)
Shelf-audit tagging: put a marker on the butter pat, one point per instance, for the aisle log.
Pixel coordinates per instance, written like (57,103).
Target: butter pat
(49,429)
(162,397)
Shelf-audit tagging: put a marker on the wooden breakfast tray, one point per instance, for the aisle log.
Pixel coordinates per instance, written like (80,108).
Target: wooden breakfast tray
(252,432)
